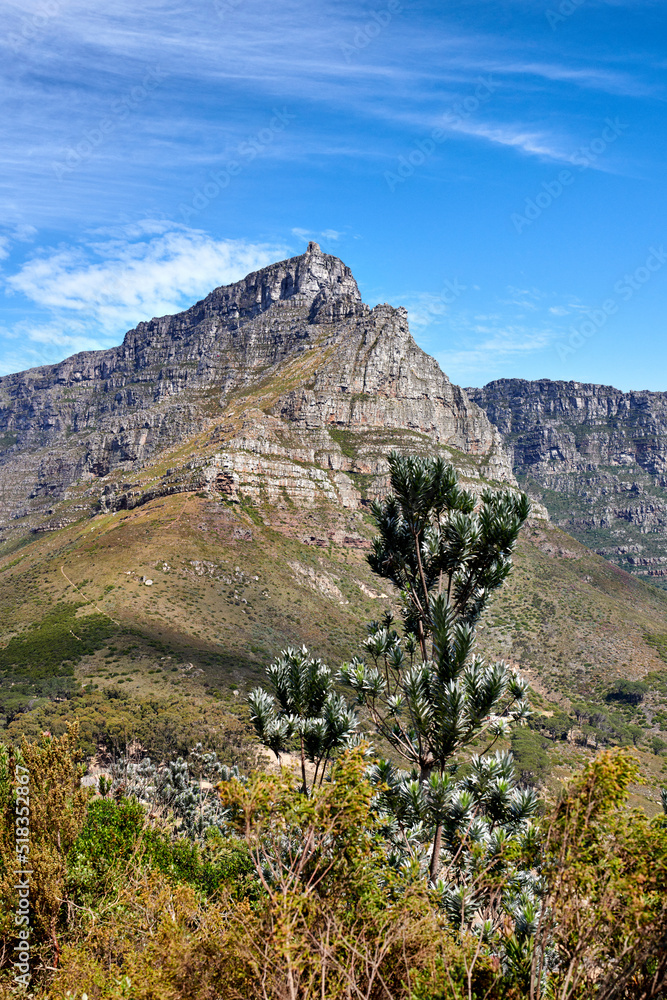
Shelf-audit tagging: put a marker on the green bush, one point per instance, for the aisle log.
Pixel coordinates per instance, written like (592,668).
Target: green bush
(630,692)
(120,834)
(530,757)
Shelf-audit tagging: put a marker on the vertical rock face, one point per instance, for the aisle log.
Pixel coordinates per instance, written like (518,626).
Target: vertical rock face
(277,364)
(596,457)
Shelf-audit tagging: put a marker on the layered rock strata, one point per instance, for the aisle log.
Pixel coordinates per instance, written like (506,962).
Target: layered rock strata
(284,386)
(596,457)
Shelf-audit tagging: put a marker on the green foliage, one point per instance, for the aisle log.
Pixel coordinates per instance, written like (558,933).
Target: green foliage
(434,538)
(165,727)
(602,725)
(40,662)
(345,440)
(304,901)
(57,809)
(631,692)
(557,726)
(308,708)
(52,646)
(447,550)
(324,925)
(120,835)
(108,841)
(430,711)
(605,916)
(635,733)
(659,642)
(530,757)
(464,972)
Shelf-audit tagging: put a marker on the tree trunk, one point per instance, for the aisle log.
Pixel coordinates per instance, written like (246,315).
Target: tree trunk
(422,638)
(303,768)
(435,857)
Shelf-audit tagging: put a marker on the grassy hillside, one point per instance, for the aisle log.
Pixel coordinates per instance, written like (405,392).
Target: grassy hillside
(168,663)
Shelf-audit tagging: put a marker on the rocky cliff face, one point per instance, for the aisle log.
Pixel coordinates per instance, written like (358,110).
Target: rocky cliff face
(596,457)
(283,386)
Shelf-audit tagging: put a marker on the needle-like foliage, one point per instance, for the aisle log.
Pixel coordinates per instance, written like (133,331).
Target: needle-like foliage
(428,693)
(436,537)
(304,706)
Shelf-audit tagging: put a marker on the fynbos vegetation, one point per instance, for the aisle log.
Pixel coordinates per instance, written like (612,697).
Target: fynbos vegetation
(411,855)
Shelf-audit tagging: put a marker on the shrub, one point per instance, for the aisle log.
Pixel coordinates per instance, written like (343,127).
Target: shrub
(57,811)
(631,692)
(119,836)
(604,923)
(530,757)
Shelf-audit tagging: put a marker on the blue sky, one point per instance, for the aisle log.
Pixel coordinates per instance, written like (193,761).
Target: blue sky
(498,168)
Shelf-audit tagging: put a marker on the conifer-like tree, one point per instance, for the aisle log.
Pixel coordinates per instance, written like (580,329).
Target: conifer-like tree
(308,709)
(428,693)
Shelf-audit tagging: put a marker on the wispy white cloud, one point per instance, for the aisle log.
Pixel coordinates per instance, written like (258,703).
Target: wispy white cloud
(593,77)
(13,234)
(88,296)
(483,344)
(332,235)
(493,348)
(424,308)
(535,143)
(30,344)
(256,54)
(151,268)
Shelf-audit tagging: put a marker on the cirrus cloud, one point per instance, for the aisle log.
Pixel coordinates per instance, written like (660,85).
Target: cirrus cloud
(138,272)
(86,297)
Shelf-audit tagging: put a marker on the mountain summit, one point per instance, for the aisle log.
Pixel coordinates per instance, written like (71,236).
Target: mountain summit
(202,489)
(282,364)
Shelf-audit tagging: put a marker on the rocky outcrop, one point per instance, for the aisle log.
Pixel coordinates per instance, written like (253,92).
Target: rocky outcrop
(285,369)
(596,457)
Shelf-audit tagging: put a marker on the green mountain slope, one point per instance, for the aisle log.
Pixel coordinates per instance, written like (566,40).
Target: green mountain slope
(147,579)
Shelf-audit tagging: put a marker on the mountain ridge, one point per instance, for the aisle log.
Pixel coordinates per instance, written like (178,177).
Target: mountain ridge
(207,501)
(277,364)
(596,457)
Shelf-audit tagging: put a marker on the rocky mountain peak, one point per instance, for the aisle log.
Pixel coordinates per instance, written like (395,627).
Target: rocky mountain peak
(288,364)
(313,287)
(304,278)
(306,282)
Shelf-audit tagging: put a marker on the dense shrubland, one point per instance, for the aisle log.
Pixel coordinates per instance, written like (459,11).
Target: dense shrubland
(293,895)
(409,856)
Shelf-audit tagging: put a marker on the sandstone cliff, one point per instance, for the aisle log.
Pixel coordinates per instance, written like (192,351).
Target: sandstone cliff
(283,385)
(596,457)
